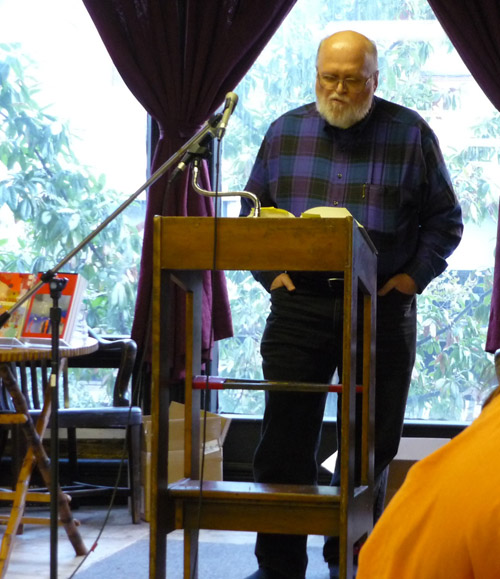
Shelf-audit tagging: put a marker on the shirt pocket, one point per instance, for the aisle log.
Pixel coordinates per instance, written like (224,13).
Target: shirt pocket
(376,207)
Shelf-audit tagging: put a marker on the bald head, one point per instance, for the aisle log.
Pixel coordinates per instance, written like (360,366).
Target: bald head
(350,47)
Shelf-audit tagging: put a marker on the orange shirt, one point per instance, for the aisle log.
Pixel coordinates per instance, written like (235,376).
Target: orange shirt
(444,522)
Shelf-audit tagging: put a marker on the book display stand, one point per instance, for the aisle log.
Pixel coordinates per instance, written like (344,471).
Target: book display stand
(184,248)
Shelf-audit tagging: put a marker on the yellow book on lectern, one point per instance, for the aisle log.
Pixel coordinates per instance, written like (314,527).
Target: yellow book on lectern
(326,212)
(314,212)
(272,212)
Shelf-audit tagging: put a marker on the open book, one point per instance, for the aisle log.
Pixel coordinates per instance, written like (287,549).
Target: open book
(313,212)
(30,323)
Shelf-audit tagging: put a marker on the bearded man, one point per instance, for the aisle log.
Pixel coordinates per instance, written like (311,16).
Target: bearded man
(383,163)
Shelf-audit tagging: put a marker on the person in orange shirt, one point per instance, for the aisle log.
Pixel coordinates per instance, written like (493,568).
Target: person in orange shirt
(444,522)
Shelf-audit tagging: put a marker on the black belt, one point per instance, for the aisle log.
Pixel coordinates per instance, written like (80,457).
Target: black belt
(318,281)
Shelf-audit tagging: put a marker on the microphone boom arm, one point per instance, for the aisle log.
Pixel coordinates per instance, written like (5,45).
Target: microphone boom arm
(207,129)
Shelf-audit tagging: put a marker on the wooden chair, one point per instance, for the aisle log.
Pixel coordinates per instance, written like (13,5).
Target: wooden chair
(184,248)
(33,379)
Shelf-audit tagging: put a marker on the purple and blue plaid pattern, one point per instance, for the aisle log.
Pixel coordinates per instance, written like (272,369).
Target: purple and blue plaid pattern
(387,170)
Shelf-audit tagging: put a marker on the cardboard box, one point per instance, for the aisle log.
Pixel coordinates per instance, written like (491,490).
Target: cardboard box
(216,431)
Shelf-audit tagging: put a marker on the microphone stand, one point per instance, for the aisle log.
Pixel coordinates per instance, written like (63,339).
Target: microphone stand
(56,286)
(187,152)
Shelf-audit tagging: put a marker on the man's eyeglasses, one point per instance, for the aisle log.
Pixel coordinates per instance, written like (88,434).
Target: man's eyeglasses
(350,84)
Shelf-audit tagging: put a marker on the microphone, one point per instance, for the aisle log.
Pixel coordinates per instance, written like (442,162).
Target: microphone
(229,106)
(197,146)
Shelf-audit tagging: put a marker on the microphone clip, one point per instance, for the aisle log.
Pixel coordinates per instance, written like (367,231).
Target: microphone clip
(197,147)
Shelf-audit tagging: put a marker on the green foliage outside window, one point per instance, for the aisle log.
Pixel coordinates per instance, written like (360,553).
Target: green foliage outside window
(50,202)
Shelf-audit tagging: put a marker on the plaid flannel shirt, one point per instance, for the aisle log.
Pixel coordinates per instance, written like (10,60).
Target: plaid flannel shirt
(387,170)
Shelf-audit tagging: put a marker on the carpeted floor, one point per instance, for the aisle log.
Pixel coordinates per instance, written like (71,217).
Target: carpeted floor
(215,561)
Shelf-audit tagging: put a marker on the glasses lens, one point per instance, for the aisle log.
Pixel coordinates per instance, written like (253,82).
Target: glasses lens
(350,84)
(354,84)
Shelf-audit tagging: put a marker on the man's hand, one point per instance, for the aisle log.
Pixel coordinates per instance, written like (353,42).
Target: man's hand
(401,282)
(283,279)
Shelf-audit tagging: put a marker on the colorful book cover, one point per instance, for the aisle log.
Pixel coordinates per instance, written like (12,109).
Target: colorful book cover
(12,287)
(37,326)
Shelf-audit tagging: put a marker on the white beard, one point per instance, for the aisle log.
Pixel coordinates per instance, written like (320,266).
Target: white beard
(341,116)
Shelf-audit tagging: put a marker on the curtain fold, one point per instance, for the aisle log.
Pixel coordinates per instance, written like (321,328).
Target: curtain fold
(473,29)
(179,59)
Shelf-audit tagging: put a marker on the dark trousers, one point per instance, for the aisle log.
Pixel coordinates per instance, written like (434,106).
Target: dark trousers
(302,342)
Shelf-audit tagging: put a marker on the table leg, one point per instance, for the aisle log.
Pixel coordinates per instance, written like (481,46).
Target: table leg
(35,455)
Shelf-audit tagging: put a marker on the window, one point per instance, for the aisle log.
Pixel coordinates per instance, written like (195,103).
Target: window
(72,149)
(420,69)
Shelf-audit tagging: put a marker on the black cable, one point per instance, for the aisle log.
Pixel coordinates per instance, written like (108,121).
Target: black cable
(110,507)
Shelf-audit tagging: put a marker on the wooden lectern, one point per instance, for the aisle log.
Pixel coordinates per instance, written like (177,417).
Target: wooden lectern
(183,248)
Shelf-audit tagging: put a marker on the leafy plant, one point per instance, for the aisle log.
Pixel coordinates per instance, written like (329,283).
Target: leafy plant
(240,356)
(50,202)
(452,371)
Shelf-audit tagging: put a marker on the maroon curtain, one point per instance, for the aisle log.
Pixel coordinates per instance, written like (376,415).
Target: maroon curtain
(180,58)
(473,28)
